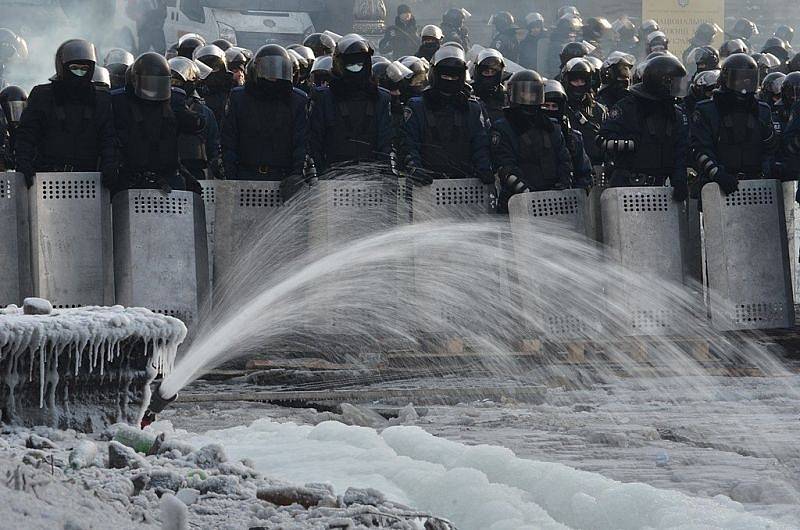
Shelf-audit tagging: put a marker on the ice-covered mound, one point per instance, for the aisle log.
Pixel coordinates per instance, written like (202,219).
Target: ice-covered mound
(57,365)
(477,487)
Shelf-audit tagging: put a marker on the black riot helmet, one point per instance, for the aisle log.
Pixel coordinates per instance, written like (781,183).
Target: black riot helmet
(663,78)
(648,27)
(223,44)
(118,56)
(568,10)
(237,58)
(455,17)
(526,91)
(704,84)
(596,29)
(392,76)
(188,44)
(731,47)
(321,71)
(270,63)
(597,65)
(767,63)
(352,57)
(790,90)
(503,21)
(534,21)
(657,41)
(12,46)
(101,77)
(150,77)
(705,58)
(569,26)
(185,74)
(13,101)
(75,52)
(739,74)
(617,69)
(785,33)
(554,93)
(320,43)
(777,47)
(625,28)
(573,50)
(449,70)
(420,69)
(212,56)
(706,33)
(744,29)
(489,64)
(578,77)
(306,54)
(172,51)
(771,87)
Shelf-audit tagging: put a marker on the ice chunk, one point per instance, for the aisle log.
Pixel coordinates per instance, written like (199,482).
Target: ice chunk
(36,306)
(174,513)
(83,454)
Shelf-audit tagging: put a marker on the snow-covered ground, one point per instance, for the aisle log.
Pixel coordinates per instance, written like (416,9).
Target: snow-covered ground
(724,462)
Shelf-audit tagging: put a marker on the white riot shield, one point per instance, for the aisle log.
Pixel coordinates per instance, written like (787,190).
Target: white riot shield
(161,252)
(460,200)
(790,207)
(71,240)
(644,231)
(210,201)
(548,298)
(747,256)
(15,244)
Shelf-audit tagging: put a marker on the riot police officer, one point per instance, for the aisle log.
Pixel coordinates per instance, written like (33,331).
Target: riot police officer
(402,38)
(350,119)
(701,89)
(555,107)
(13,49)
(445,127)
(321,44)
(149,117)
(529,46)
(771,86)
(216,87)
(584,112)
(597,32)
(414,86)
(13,100)
(790,144)
(572,50)
(528,149)
(199,151)
(647,27)
(68,124)
(453,26)
(704,35)
(646,134)
(487,82)
(657,42)
(705,58)
(567,30)
(779,49)
(393,77)
(744,29)
(505,37)
(237,59)
(732,134)
(320,75)
(307,54)
(264,133)
(628,40)
(730,47)
(785,33)
(432,37)
(117,62)
(615,78)
(188,43)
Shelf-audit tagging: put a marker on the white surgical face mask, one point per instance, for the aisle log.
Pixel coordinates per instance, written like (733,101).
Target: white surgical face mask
(78,71)
(354,67)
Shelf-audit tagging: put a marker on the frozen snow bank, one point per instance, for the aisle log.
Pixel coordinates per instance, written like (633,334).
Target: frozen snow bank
(477,487)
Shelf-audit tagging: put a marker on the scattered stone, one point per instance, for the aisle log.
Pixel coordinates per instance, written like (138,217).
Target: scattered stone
(222,484)
(174,514)
(209,456)
(362,417)
(188,496)
(121,486)
(289,495)
(35,441)
(162,480)
(36,306)
(240,470)
(83,454)
(140,483)
(121,456)
(171,444)
(363,496)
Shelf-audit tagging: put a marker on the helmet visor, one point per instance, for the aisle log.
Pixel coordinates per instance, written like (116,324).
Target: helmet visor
(742,81)
(526,93)
(14,110)
(273,67)
(153,87)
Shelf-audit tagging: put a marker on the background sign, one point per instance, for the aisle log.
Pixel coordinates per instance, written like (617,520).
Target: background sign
(680,18)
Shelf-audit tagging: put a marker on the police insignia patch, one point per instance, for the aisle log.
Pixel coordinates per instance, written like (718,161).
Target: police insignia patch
(495,138)
(407,112)
(613,113)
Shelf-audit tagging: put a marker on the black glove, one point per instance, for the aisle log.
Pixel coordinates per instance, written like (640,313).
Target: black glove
(217,168)
(680,191)
(193,185)
(727,183)
(29,178)
(291,185)
(487,177)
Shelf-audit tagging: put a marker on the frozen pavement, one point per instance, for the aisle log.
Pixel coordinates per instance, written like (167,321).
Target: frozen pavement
(740,444)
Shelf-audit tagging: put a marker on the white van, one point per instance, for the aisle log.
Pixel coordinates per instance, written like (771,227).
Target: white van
(243,22)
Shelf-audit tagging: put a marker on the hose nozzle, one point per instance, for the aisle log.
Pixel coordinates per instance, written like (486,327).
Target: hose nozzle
(157,404)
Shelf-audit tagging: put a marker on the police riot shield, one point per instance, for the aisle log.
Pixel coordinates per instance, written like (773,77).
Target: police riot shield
(693,244)
(161,252)
(547,293)
(209,202)
(71,240)
(790,207)
(595,220)
(644,231)
(246,213)
(455,200)
(747,256)
(15,244)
